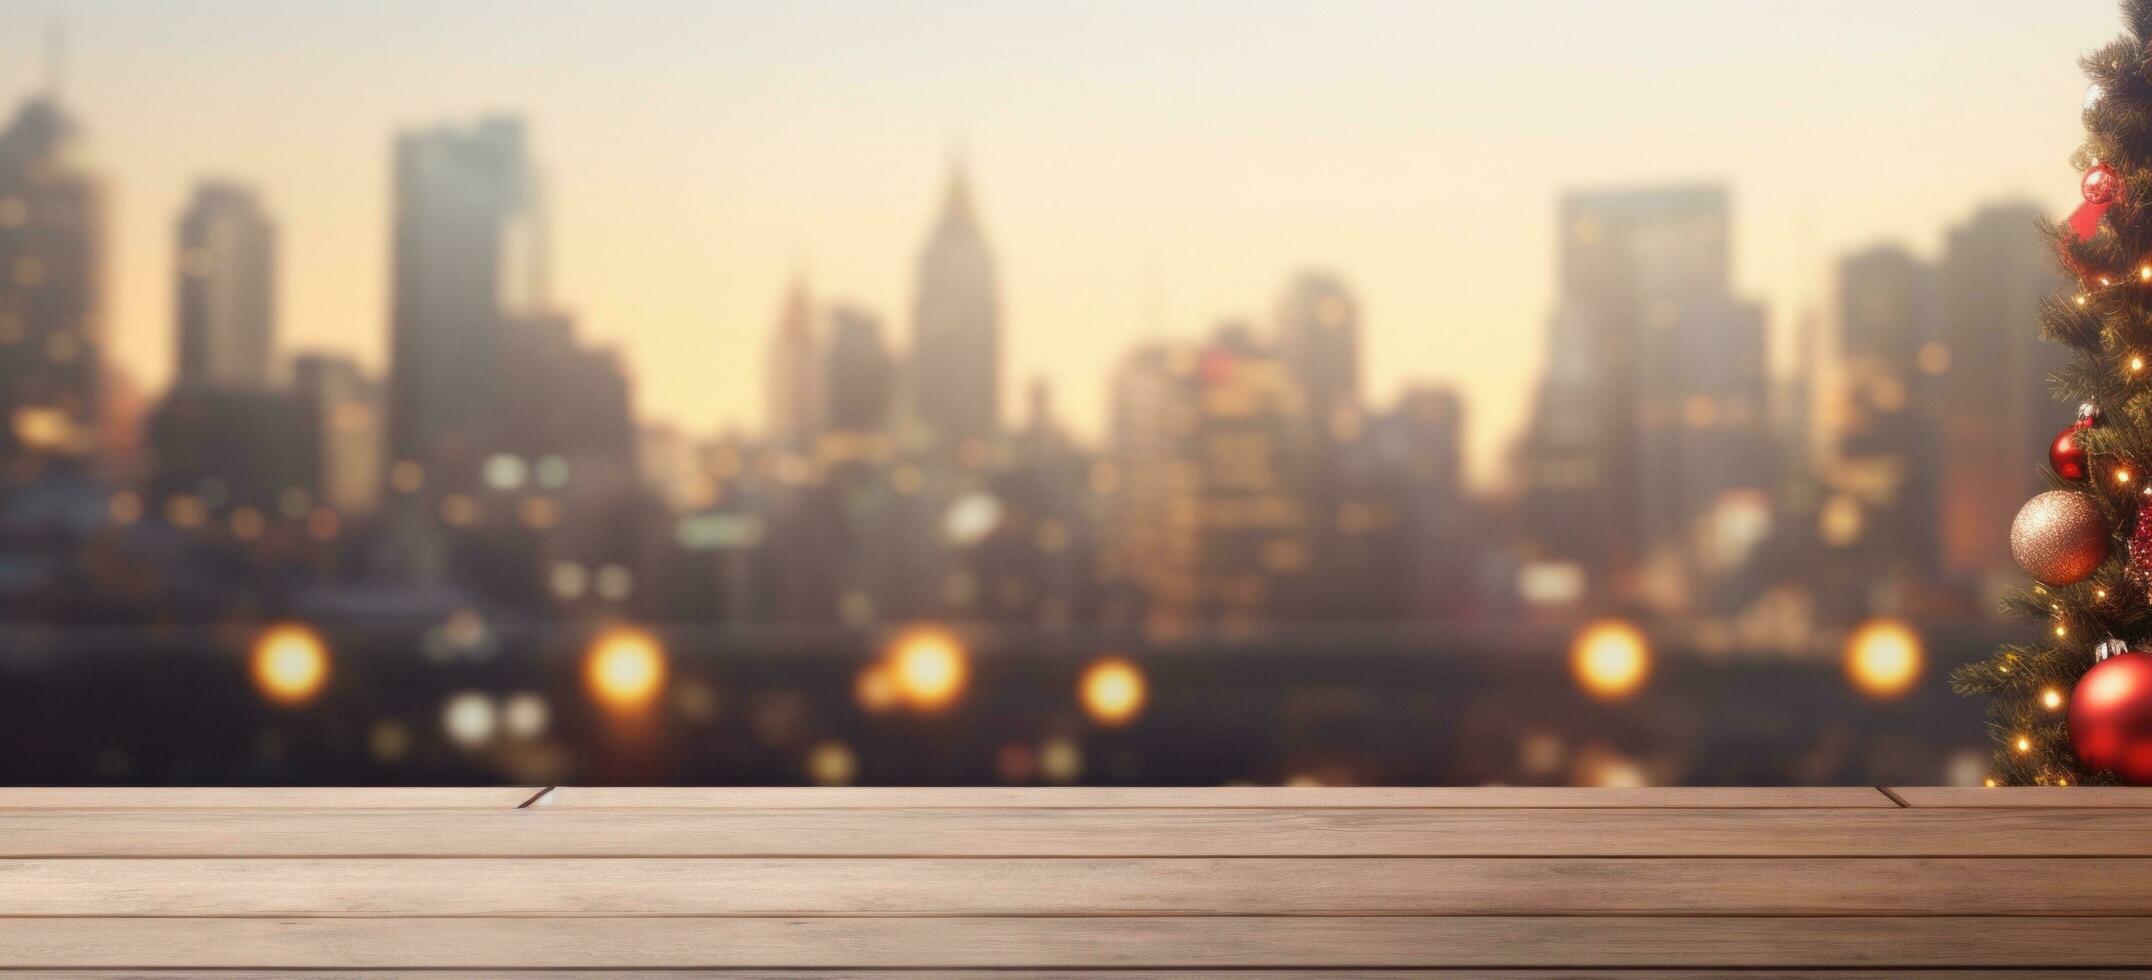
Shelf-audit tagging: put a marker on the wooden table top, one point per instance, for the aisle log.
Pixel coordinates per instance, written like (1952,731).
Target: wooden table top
(1122,883)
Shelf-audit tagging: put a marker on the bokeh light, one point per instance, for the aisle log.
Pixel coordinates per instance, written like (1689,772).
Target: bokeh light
(1610,659)
(929,669)
(832,763)
(469,719)
(1883,658)
(1112,691)
(625,669)
(876,688)
(290,664)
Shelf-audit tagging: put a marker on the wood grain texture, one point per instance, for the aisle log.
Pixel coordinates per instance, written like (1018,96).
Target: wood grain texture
(2020,797)
(1032,943)
(1268,974)
(1212,797)
(1190,832)
(263,797)
(1073,888)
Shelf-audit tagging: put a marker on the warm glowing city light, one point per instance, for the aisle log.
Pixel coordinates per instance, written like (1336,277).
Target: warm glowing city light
(1112,691)
(929,669)
(625,668)
(290,664)
(876,688)
(1883,658)
(1610,659)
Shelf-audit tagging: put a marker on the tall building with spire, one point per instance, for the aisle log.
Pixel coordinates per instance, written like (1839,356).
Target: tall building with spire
(52,282)
(795,399)
(467,255)
(956,326)
(227,290)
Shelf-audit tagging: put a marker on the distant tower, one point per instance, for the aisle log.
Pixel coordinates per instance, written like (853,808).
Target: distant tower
(465,255)
(1648,455)
(227,290)
(1318,326)
(956,326)
(1992,398)
(52,277)
(860,377)
(795,397)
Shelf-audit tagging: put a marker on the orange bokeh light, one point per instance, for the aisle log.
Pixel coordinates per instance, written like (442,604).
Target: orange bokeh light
(1610,659)
(625,669)
(290,664)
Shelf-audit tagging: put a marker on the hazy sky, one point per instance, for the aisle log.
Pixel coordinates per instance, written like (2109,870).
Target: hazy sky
(1144,169)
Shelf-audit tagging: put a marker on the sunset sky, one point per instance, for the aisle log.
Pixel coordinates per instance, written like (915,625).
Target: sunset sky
(1143,169)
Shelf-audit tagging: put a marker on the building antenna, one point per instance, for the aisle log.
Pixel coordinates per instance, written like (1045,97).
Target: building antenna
(55,57)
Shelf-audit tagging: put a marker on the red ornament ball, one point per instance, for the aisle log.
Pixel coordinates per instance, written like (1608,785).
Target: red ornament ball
(2102,185)
(2111,718)
(2067,455)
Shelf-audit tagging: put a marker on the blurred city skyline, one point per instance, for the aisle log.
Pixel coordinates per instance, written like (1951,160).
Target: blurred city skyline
(1141,174)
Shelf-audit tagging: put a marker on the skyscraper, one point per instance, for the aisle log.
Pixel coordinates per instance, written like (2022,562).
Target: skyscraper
(1647,457)
(1207,526)
(467,252)
(343,407)
(227,290)
(1993,403)
(1318,325)
(52,246)
(956,327)
(795,397)
(1318,331)
(861,377)
(1883,471)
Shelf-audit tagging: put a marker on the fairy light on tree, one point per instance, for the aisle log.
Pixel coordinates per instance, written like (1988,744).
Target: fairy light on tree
(2076,706)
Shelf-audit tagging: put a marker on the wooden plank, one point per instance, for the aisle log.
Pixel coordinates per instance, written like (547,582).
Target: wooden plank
(2069,797)
(1038,943)
(1078,833)
(1408,974)
(1074,887)
(1035,797)
(264,797)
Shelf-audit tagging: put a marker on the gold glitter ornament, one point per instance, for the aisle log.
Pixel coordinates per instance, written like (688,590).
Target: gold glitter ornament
(2060,537)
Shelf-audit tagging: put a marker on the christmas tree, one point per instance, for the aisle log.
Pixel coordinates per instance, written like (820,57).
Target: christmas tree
(2076,707)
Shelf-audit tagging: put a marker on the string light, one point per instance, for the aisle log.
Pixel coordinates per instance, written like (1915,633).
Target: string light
(2061,630)
(2081,299)
(2122,476)
(2099,593)
(2137,363)
(2144,273)
(2052,698)
(1989,782)
(2024,744)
